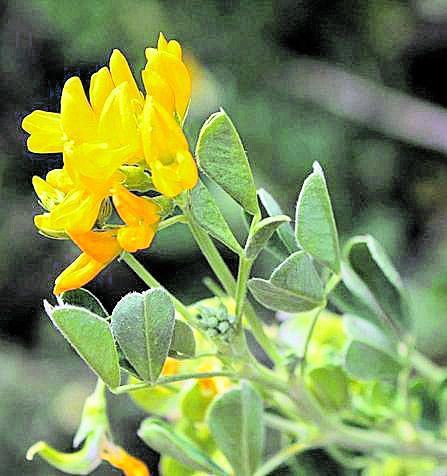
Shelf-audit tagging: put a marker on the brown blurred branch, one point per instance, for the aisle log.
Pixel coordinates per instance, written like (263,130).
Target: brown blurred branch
(386,110)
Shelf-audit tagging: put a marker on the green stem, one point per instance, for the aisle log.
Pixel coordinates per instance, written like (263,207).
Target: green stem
(427,368)
(308,339)
(152,282)
(228,282)
(241,286)
(281,457)
(214,287)
(171,379)
(171,221)
(286,426)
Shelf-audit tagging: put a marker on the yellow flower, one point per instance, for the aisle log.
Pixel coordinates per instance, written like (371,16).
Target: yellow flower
(167,151)
(99,249)
(120,459)
(166,77)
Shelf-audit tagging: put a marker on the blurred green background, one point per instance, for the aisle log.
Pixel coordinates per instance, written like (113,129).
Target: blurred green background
(358,86)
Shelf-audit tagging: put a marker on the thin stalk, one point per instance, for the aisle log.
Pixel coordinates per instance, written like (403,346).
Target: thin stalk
(243,274)
(286,426)
(281,457)
(152,282)
(427,368)
(171,221)
(308,339)
(171,379)
(214,287)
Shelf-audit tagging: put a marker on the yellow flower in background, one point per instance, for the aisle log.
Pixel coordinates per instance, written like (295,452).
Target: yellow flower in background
(166,78)
(121,459)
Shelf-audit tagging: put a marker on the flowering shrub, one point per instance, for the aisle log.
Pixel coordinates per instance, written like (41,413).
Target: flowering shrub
(352,383)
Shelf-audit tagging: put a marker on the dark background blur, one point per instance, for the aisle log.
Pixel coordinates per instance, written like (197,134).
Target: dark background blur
(342,82)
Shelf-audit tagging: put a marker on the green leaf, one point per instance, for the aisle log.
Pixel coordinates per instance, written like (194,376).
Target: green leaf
(274,246)
(143,325)
(364,331)
(365,362)
(277,299)
(284,231)
(371,277)
(236,422)
(83,298)
(330,386)
(262,233)
(195,402)
(210,218)
(221,156)
(161,437)
(91,337)
(183,344)
(315,228)
(297,275)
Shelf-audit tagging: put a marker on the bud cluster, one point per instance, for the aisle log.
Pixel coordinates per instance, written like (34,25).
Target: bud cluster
(217,322)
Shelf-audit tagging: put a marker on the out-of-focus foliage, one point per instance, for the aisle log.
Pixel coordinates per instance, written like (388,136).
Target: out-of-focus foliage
(379,185)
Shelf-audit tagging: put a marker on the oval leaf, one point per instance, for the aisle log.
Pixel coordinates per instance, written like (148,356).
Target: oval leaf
(262,234)
(364,331)
(315,228)
(183,344)
(143,325)
(221,156)
(236,421)
(284,231)
(330,386)
(365,362)
(370,276)
(91,337)
(277,299)
(274,246)
(161,437)
(83,298)
(297,275)
(210,218)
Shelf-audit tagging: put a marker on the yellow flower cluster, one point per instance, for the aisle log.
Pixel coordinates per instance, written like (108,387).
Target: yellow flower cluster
(116,127)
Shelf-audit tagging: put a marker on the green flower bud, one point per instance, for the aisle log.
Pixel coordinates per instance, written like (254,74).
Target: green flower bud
(217,322)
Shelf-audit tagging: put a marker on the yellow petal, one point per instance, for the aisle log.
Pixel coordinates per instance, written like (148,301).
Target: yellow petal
(80,272)
(101,85)
(134,210)
(172,179)
(102,246)
(162,136)
(121,73)
(79,121)
(162,43)
(159,89)
(174,72)
(117,123)
(46,132)
(60,179)
(77,212)
(134,238)
(48,195)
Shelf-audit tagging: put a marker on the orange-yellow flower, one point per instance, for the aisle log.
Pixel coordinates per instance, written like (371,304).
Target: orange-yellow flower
(121,459)
(139,214)
(99,249)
